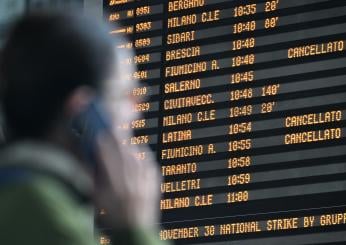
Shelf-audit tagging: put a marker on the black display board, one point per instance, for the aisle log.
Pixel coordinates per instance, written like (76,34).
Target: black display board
(244,108)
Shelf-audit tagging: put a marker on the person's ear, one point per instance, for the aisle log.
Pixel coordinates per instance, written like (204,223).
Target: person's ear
(79,99)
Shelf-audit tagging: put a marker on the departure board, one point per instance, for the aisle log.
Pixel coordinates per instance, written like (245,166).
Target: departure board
(244,107)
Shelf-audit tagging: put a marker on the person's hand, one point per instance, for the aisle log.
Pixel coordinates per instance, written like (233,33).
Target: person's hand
(128,188)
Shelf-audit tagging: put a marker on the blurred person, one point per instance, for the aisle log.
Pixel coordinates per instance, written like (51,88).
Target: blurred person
(52,68)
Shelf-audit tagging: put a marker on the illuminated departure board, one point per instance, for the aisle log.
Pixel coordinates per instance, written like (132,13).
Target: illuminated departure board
(244,107)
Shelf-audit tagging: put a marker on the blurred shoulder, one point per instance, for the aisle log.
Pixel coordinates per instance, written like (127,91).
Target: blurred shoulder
(40,201)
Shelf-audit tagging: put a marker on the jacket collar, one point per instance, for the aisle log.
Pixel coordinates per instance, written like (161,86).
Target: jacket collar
(48,160)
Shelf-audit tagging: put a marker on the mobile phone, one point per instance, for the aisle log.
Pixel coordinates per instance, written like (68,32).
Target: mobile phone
(88,125)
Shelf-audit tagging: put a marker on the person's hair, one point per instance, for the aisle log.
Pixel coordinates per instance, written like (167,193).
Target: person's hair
(44,59)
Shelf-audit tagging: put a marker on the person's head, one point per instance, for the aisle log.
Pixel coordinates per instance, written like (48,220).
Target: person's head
(47,66)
